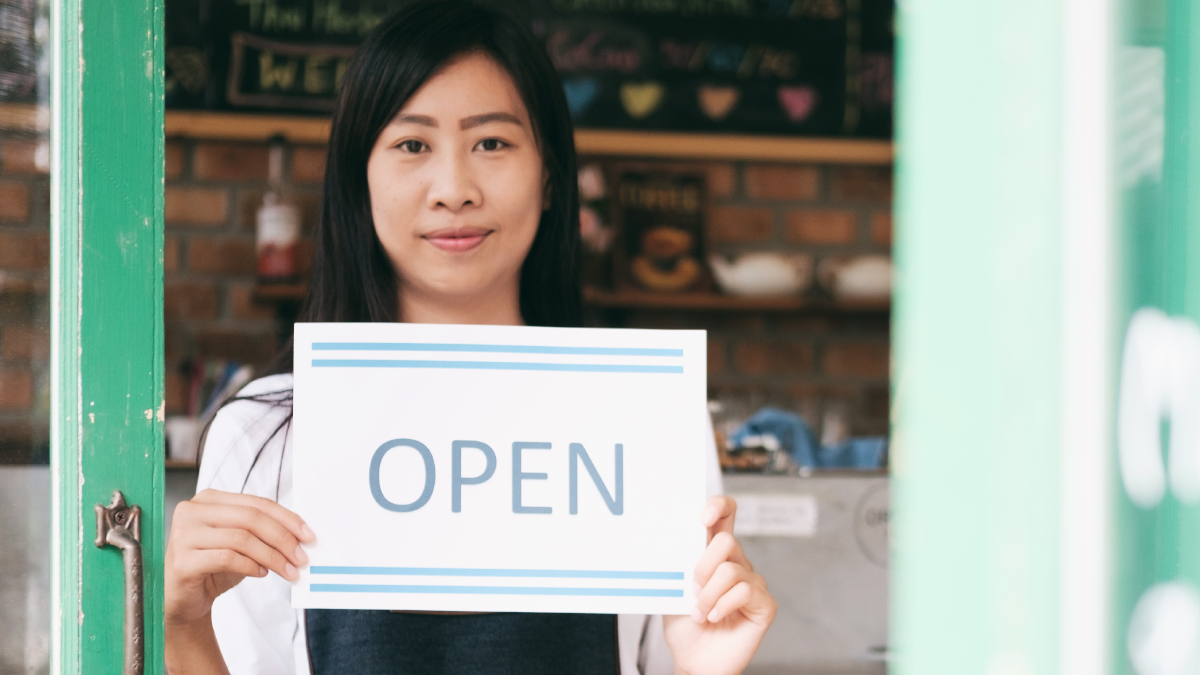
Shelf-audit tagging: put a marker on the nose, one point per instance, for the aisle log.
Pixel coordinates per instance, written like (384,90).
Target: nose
(453,186)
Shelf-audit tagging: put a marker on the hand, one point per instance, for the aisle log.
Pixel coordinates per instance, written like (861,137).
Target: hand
(733,608)
(218,539)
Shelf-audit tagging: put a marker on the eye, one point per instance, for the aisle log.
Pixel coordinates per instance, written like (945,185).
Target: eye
(491,144)
(411,146)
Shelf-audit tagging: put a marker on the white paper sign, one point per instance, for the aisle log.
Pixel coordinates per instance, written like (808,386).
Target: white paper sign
(495,468)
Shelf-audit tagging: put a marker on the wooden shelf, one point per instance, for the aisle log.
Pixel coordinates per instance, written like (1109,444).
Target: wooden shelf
(602,299)
(180,465)
(714,302)
(202,125)
(24,117)
(280,292)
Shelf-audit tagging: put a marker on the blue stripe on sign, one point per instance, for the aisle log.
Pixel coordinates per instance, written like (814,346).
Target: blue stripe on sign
(496,590)
(495,365)
(469,572)
(494,349)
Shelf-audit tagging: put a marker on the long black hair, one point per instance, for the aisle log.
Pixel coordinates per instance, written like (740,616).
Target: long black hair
(352,278)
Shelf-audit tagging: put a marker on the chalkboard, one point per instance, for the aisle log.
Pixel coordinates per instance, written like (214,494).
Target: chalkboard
(792,67)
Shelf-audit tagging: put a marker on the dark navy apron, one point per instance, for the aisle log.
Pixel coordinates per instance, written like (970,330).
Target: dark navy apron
(373,642)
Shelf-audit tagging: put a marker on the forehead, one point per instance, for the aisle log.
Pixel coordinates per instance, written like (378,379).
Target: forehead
(467,85)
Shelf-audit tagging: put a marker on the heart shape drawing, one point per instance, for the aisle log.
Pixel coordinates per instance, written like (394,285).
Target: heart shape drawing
(717,102)
(797,102)
(580,94)
(641,99)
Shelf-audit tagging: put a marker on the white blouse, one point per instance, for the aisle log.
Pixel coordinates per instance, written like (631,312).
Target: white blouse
(257,629)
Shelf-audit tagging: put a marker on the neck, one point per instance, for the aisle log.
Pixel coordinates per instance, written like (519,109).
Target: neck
(500,307)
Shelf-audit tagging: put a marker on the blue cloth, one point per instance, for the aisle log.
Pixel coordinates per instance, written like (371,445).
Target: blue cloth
(795,437)
(373,642)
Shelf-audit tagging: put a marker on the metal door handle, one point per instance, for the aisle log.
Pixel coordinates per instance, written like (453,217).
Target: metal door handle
(120,525)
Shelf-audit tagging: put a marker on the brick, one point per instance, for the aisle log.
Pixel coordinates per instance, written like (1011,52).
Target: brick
(229,161)
(877,403)
(222,256)
(14,202)
(881,228)
(308,163)
(716,356)
(25,343)
(856,359)
(721,180)
(305,250)
(245,346)
(16,389)
(196,206)
(862,184)
(171,255)
(25,250)
(769,358)
(655,319)
(809,323)
(744,322)
(22,157)
(241,298)
(772,181)
(173,160)
(822,226)
(732,224)
(176,397)
(189,300)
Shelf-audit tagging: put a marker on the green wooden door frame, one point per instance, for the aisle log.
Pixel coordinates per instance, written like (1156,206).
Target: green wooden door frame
(107,329)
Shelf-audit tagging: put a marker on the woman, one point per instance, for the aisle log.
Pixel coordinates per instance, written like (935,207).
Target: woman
(449,197)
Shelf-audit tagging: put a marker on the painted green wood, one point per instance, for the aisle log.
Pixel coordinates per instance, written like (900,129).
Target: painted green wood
(977,338)
(107,201)
(1159,266)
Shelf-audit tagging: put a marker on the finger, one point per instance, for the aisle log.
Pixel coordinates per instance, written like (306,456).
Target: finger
(246,544)
(718,515)
(201,563)
(750,599)
(294,523)
(723,547)
(733,600)
(261,525)
(726,576)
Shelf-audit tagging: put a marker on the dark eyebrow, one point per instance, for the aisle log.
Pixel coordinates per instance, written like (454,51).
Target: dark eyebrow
(423,120)
(479,120)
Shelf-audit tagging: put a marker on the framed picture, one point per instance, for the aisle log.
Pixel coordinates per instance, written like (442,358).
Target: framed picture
(659,213)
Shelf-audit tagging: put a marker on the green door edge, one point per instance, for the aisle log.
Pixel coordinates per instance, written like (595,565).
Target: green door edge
(106,324)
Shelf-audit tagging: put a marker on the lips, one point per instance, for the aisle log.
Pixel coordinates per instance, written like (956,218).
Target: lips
(457,239)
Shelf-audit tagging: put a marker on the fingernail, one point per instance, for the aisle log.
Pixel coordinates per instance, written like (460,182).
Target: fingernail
(301,555)
(712,616)
(307,532)
(291,571)
(262,571)
(697,616)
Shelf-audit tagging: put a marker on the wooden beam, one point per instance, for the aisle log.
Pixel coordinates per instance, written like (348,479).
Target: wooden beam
(204,125)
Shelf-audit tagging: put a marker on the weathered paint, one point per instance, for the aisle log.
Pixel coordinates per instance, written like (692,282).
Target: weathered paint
(107,206)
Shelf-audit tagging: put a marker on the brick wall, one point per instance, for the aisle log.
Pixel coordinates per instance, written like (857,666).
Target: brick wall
(212,195)
(24,299)
(811,361)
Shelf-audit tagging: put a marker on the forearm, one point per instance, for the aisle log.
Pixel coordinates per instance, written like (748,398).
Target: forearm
(192,649)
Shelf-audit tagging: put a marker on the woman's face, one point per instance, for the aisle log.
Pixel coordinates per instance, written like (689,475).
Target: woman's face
(458,185)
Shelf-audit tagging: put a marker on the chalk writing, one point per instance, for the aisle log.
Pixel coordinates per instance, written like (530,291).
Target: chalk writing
(589,54)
